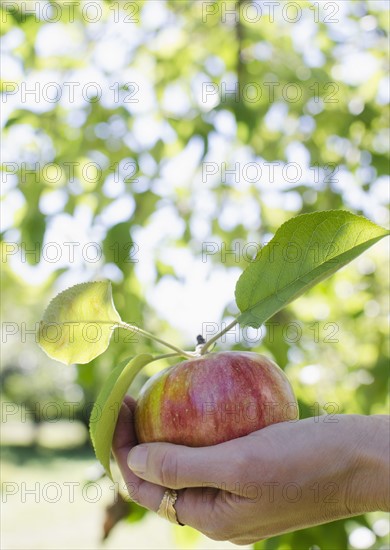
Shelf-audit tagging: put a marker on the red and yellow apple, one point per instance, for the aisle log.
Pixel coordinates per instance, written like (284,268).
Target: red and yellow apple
(214,398)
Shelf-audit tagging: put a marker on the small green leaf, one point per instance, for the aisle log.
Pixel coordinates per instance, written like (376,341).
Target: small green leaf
(105,411)
(304,251)
(78,323)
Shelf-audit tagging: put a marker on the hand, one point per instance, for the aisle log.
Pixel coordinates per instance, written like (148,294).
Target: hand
(285,477)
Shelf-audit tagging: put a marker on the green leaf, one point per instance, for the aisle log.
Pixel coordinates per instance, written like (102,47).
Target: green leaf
(105,411)
(78,323)
(304,251)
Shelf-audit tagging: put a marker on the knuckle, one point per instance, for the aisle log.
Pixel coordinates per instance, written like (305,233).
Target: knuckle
(215,533)
(169,469)
(215,536)
(225,528)
(218,534)
(244,541)
(221,530)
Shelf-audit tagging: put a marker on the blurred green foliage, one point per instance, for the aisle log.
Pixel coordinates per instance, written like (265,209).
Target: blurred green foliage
(152,157)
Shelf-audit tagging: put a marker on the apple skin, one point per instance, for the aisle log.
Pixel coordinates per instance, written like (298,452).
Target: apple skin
(214,398)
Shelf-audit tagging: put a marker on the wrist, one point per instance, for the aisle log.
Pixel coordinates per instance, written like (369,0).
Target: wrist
(368,488)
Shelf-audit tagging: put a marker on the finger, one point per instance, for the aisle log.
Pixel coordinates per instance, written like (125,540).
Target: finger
(176,466)
(193,506)
(124,434)
(124,440)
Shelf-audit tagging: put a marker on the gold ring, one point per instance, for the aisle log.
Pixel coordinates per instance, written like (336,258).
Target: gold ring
(166,509)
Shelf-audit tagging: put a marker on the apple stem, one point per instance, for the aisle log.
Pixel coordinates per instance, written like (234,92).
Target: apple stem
(216,337)
(126,326)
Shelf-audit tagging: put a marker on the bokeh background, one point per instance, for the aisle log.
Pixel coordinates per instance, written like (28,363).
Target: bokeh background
(148,143)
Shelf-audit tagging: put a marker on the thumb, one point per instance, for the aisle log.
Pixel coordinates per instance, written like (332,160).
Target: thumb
(176,466)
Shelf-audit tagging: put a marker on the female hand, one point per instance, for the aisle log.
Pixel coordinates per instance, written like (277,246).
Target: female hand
(285,477)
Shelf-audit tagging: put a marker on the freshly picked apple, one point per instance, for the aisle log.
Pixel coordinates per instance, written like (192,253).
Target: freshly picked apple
(214,398)
(209,397)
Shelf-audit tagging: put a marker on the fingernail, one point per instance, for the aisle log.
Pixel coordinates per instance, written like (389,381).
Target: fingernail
(136,459)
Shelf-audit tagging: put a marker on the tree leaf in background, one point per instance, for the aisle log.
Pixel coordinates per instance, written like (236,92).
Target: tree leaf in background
(304,251)
(78,323)
(105,411)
